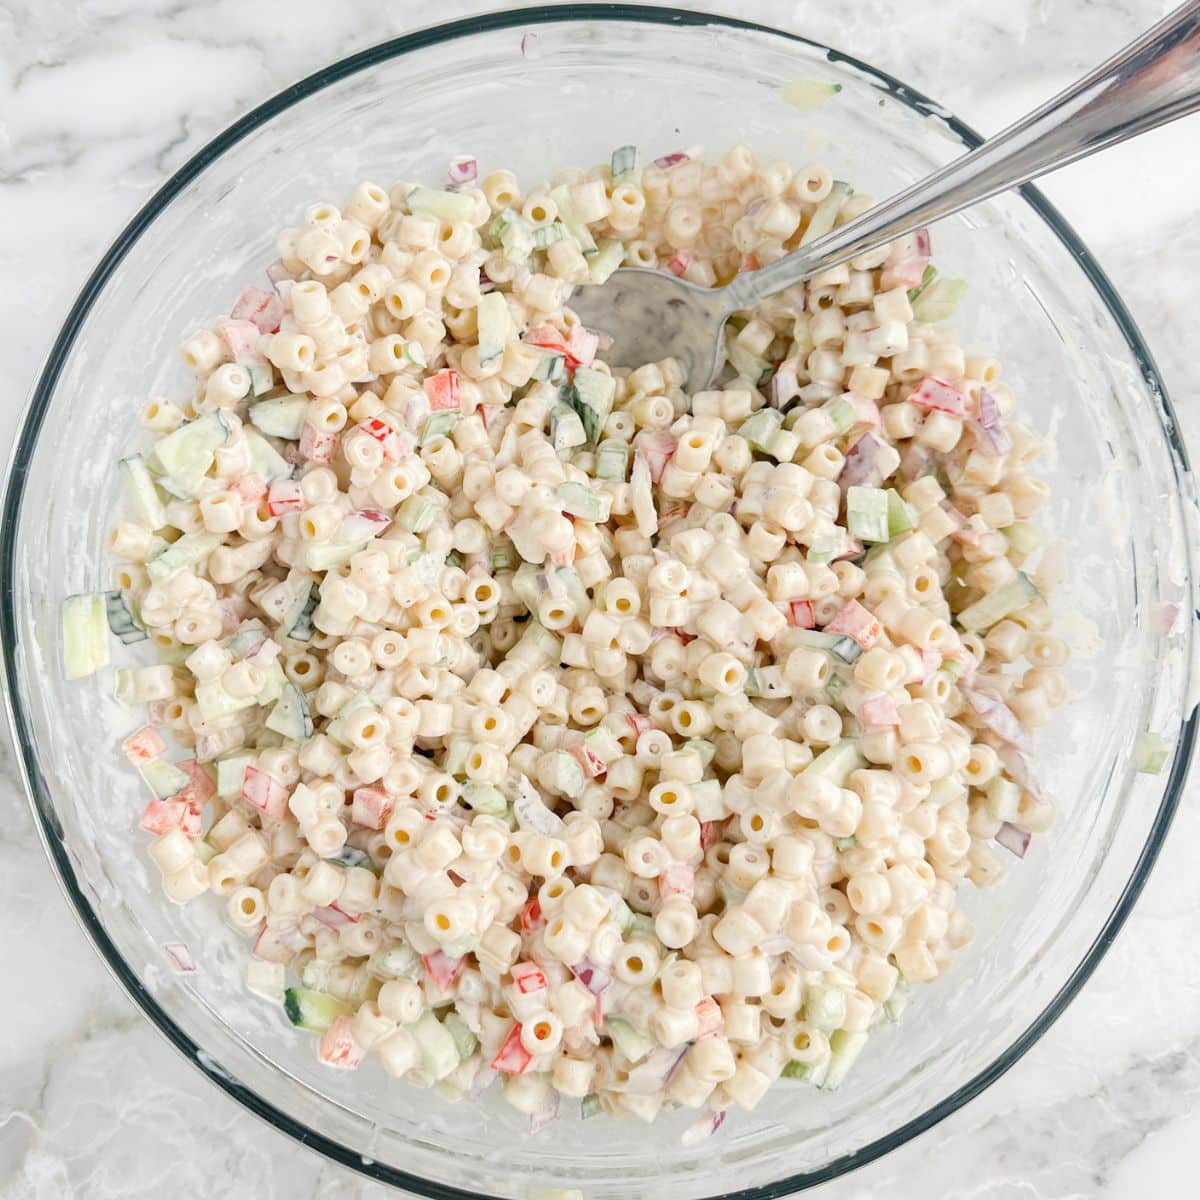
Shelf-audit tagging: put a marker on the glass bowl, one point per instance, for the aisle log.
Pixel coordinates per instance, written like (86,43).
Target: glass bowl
(536,90)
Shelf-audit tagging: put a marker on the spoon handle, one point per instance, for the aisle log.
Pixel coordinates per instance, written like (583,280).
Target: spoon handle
(1155,79)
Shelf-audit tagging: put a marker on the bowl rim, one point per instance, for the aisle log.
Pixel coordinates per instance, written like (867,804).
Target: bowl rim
(25,443)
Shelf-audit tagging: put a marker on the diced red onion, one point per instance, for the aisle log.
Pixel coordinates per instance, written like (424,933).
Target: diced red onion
(700,1130)
(277,272)
(593,977)
(784,384)
(671,160)
(998,717)
(1163,618)
(1014,840)
(529,45)
(546,1113)
(462,170)
(924,242)
(180,956)
(1019,765)
(864,463)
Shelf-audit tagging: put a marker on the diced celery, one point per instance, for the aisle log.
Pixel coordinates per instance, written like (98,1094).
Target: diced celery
(845,843)
(783,445)
(121,619)
(704,748)
(867,514)
(837,761)
(438,424)
(797,1070)
(186,454)
(581,501)
(612,459)
(1024,537)
(264,458)
(142,492)
(427,566)
(446,206)
(1010,597)
(417,513)
(566,214)
(163,778)
(825,214)
(930,274)
(592,398)
(759,428)
(280,416)
(267,979)
(1003,799)
(504,557)
(290,717)
(807,94)
(186,552)
(516,238)
(899,515)
(437,1046)
(566,428)
(939,300)
(85,634)
(538,643)
(495,326)
(602,742)
(631,1042)
(824,1007)
(824,549)
(484,798)
(308,1009)
(748,365)
(566,775)
(231,774)
(464,1040)
(844,1049)
(841,412)
(544,236)
(1151,752)
(605,260)
(568,579)
(123,688)
(897,1002)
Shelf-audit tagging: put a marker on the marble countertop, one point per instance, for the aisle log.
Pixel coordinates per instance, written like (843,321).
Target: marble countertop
(99,101)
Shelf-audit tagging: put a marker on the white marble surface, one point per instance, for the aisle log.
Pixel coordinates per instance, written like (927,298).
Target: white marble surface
(99,101)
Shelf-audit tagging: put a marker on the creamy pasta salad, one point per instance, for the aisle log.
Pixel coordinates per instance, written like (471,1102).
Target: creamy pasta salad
(548,726)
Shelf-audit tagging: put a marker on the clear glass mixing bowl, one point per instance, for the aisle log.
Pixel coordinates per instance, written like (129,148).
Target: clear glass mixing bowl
(534,91)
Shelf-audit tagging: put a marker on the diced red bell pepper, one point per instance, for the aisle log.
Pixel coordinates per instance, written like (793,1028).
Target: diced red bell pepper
(907,274)
(593,765)
(263,309)
(240,339)
(708,1013)
(680,262)
(285,496)
(200,787)
(800,614)
(333,917)
(710,834)
(878,712)
(386,436)
(582,345)
(338,1047)
(442,390)
(315,445)
(144,745)
(531,917)
(265,792)
(640,722)
(161,816)
(528,977)
(937,396)
(931,660)
(657,448)
(857,622)
(251,488)
(749,263)
(513,1058)
(679,879)
(371,807)
(443,969)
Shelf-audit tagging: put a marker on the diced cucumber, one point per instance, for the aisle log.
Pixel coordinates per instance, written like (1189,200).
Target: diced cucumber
(1024,537)
(186,552)
(844,1049)
(841,412)
(121,619)
(464,1040)
(807,94)
(867,514)
(749,366)
(929,275)
(267,979)
(836,762)
(826,213)
(163,778)
(516,237)
(336,728)
(446,206)
(939,300)
(612,459)
(214,702)
(1150,753)
(797,1070)
(186,455)
(231,774)
(123,688)
(249,634)
(566,428)
(824,549)
(602,742)
(397,962)
(455,760)
(303,628)
(899,515)
(605,260)
(437,1047)
(495,326)
(142,492)
(417,513)
(566,214)
(438,424)
(348,857)
(551,368)
(262,378)
(897,1002)
(85,634)
(624,161)
(590,1106)
(307,1009)
(632,1043)
(783,445)
(504,557)
(1003,799)
(581,501)
(281,416)
(290,717)
(484,798)
(591,396)
(264,458)
(1013,595)
(824,1007)
(566,775)
(274,681)
(283,602)
(759,428)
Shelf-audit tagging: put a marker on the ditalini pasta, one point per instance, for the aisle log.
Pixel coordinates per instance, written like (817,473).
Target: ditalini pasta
(549,726)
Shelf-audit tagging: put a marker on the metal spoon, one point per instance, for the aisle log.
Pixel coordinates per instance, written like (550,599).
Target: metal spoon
(653,314)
